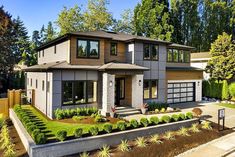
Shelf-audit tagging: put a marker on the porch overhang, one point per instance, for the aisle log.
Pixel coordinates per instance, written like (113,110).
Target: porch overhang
(122,67)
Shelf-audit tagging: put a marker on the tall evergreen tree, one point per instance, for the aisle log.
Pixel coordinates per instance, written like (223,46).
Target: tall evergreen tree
(151,19)
(50,32)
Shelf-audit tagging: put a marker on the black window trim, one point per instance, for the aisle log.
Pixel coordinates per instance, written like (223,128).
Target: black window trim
(88,47)
(111,48)
(150,46)
(150,89)
(73,90)
(172,59)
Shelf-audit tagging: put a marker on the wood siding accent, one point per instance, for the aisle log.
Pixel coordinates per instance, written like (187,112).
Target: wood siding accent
(184,75)
(86,61)
(121,50)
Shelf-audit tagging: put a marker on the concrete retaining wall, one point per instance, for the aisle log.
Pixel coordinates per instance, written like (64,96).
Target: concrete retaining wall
(89,143)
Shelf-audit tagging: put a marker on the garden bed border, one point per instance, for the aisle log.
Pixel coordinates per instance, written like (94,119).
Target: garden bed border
(89,143)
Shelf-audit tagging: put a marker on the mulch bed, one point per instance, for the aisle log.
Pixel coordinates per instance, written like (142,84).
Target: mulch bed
(19,147)
(88,120)
(169,148)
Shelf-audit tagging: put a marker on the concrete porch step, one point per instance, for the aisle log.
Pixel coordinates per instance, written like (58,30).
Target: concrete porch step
(126,111)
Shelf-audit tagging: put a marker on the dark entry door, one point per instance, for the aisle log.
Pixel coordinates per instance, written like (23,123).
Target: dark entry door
(119,90)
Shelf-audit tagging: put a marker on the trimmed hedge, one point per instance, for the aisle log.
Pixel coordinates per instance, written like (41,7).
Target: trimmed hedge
(232,90)
(61,135)
(69,113)
(121,125)
(212,89)
(144,122)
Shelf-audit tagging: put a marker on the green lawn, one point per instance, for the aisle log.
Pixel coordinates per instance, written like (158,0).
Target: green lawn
(51,127)
(227,105)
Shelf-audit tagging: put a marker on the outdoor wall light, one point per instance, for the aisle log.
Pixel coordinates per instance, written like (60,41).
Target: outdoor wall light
(198,83)
(140,82)
(110,83)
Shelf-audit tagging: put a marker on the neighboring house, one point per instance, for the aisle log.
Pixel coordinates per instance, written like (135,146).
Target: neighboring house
(104,69)
(199,60)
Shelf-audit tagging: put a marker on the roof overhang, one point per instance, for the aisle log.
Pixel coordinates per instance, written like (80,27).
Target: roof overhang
(183,69)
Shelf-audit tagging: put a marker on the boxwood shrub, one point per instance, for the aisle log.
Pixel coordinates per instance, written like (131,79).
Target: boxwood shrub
(175,117)
(78,132)
(121,125)
(40,138)
(144,122)
(154,120)
(108,127)
(189,115)
(166,119)
(134,123)
(182,116)
(61,135)
(35,133)
(94,130)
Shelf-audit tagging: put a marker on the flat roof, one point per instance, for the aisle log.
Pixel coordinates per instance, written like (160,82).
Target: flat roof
(183,69)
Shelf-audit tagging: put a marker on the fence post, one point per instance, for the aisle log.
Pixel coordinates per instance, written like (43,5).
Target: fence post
(11,95)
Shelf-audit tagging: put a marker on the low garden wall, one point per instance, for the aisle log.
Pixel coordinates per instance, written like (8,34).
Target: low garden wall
(89,143)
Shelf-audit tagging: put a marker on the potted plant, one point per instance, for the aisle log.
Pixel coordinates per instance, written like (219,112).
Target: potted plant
(113,110)
(144,108)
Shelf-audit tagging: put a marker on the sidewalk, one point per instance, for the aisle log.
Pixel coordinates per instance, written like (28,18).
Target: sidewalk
(224,146)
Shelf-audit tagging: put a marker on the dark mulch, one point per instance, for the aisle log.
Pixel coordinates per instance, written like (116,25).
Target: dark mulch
(169,148)
(19,147)
(88,120)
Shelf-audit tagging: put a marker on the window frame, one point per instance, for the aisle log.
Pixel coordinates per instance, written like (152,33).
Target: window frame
(172,54)
(150,45)
(55,49)
(150,89)
(36,83)
(87,49)
(73,92)
(116,44)
(43,85)
(42,53)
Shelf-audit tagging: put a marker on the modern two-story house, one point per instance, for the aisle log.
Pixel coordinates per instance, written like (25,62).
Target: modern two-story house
(103,69)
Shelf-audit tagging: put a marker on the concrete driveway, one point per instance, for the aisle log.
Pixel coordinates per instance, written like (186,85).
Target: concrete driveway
(210,109)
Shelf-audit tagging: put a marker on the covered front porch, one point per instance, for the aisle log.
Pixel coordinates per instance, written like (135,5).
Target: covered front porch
(122,87)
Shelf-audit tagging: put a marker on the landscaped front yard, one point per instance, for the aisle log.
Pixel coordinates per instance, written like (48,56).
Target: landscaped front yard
(227,105)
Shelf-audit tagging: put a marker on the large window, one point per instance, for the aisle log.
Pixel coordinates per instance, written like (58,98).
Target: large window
(150,52)
(87,49)
(178,56)
(113,49)
(79,92)
(150,89)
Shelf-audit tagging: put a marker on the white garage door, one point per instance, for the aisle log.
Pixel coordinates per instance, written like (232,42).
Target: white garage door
(180,92)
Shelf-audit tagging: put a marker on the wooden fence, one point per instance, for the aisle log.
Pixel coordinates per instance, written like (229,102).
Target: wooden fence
(13,97)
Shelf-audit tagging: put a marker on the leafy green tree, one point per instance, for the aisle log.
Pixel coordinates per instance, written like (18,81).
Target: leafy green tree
(225,91)
(221,66)
(152,20)
(97,17)
(50,32)
(70,20)
(125,24)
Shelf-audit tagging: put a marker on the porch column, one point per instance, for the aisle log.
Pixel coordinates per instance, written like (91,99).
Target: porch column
(137,90)
(108,93)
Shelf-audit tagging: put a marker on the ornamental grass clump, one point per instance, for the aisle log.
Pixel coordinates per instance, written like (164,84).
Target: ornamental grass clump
(183,132)
(124,146)
(155,139)
(104,151)
(194,128)
(141,142)
(169,135)
(206,125)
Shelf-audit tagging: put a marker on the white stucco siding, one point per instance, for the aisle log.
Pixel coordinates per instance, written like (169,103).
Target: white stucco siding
(43,98)
(198,87)
(137,91)
(54,53)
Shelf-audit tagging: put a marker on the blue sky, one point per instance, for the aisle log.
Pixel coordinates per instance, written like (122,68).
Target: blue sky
(35,13)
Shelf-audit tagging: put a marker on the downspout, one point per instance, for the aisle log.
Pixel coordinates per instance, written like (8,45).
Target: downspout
(46,92)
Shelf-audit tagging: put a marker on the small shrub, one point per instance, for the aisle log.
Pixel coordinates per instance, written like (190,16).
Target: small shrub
(134,123)
(194,128)
(232,90)
(77,118)
(124,146)
(104,151)
(152,106)
(189,115)
(32,128)
(40,138)
(166,119)
(78,132)
(182,116)
(197,112)
(183,132)
(144,122)
(163,110)
(59,114)
(154,120)
(35,133)
(155,139)
(141,142)
(61,135)
(225,90)
(169,135)
(108,127)
(93,115)
(175,117)
(206,125)
(156,110)
(121,125)
(94,130)
(99,118)
(84,154)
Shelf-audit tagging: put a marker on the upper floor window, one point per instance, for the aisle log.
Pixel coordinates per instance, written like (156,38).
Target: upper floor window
(87,49)
(150,52)
(113,49)
(178,56)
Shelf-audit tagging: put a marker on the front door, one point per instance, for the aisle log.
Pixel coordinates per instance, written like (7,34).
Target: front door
(119,90)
